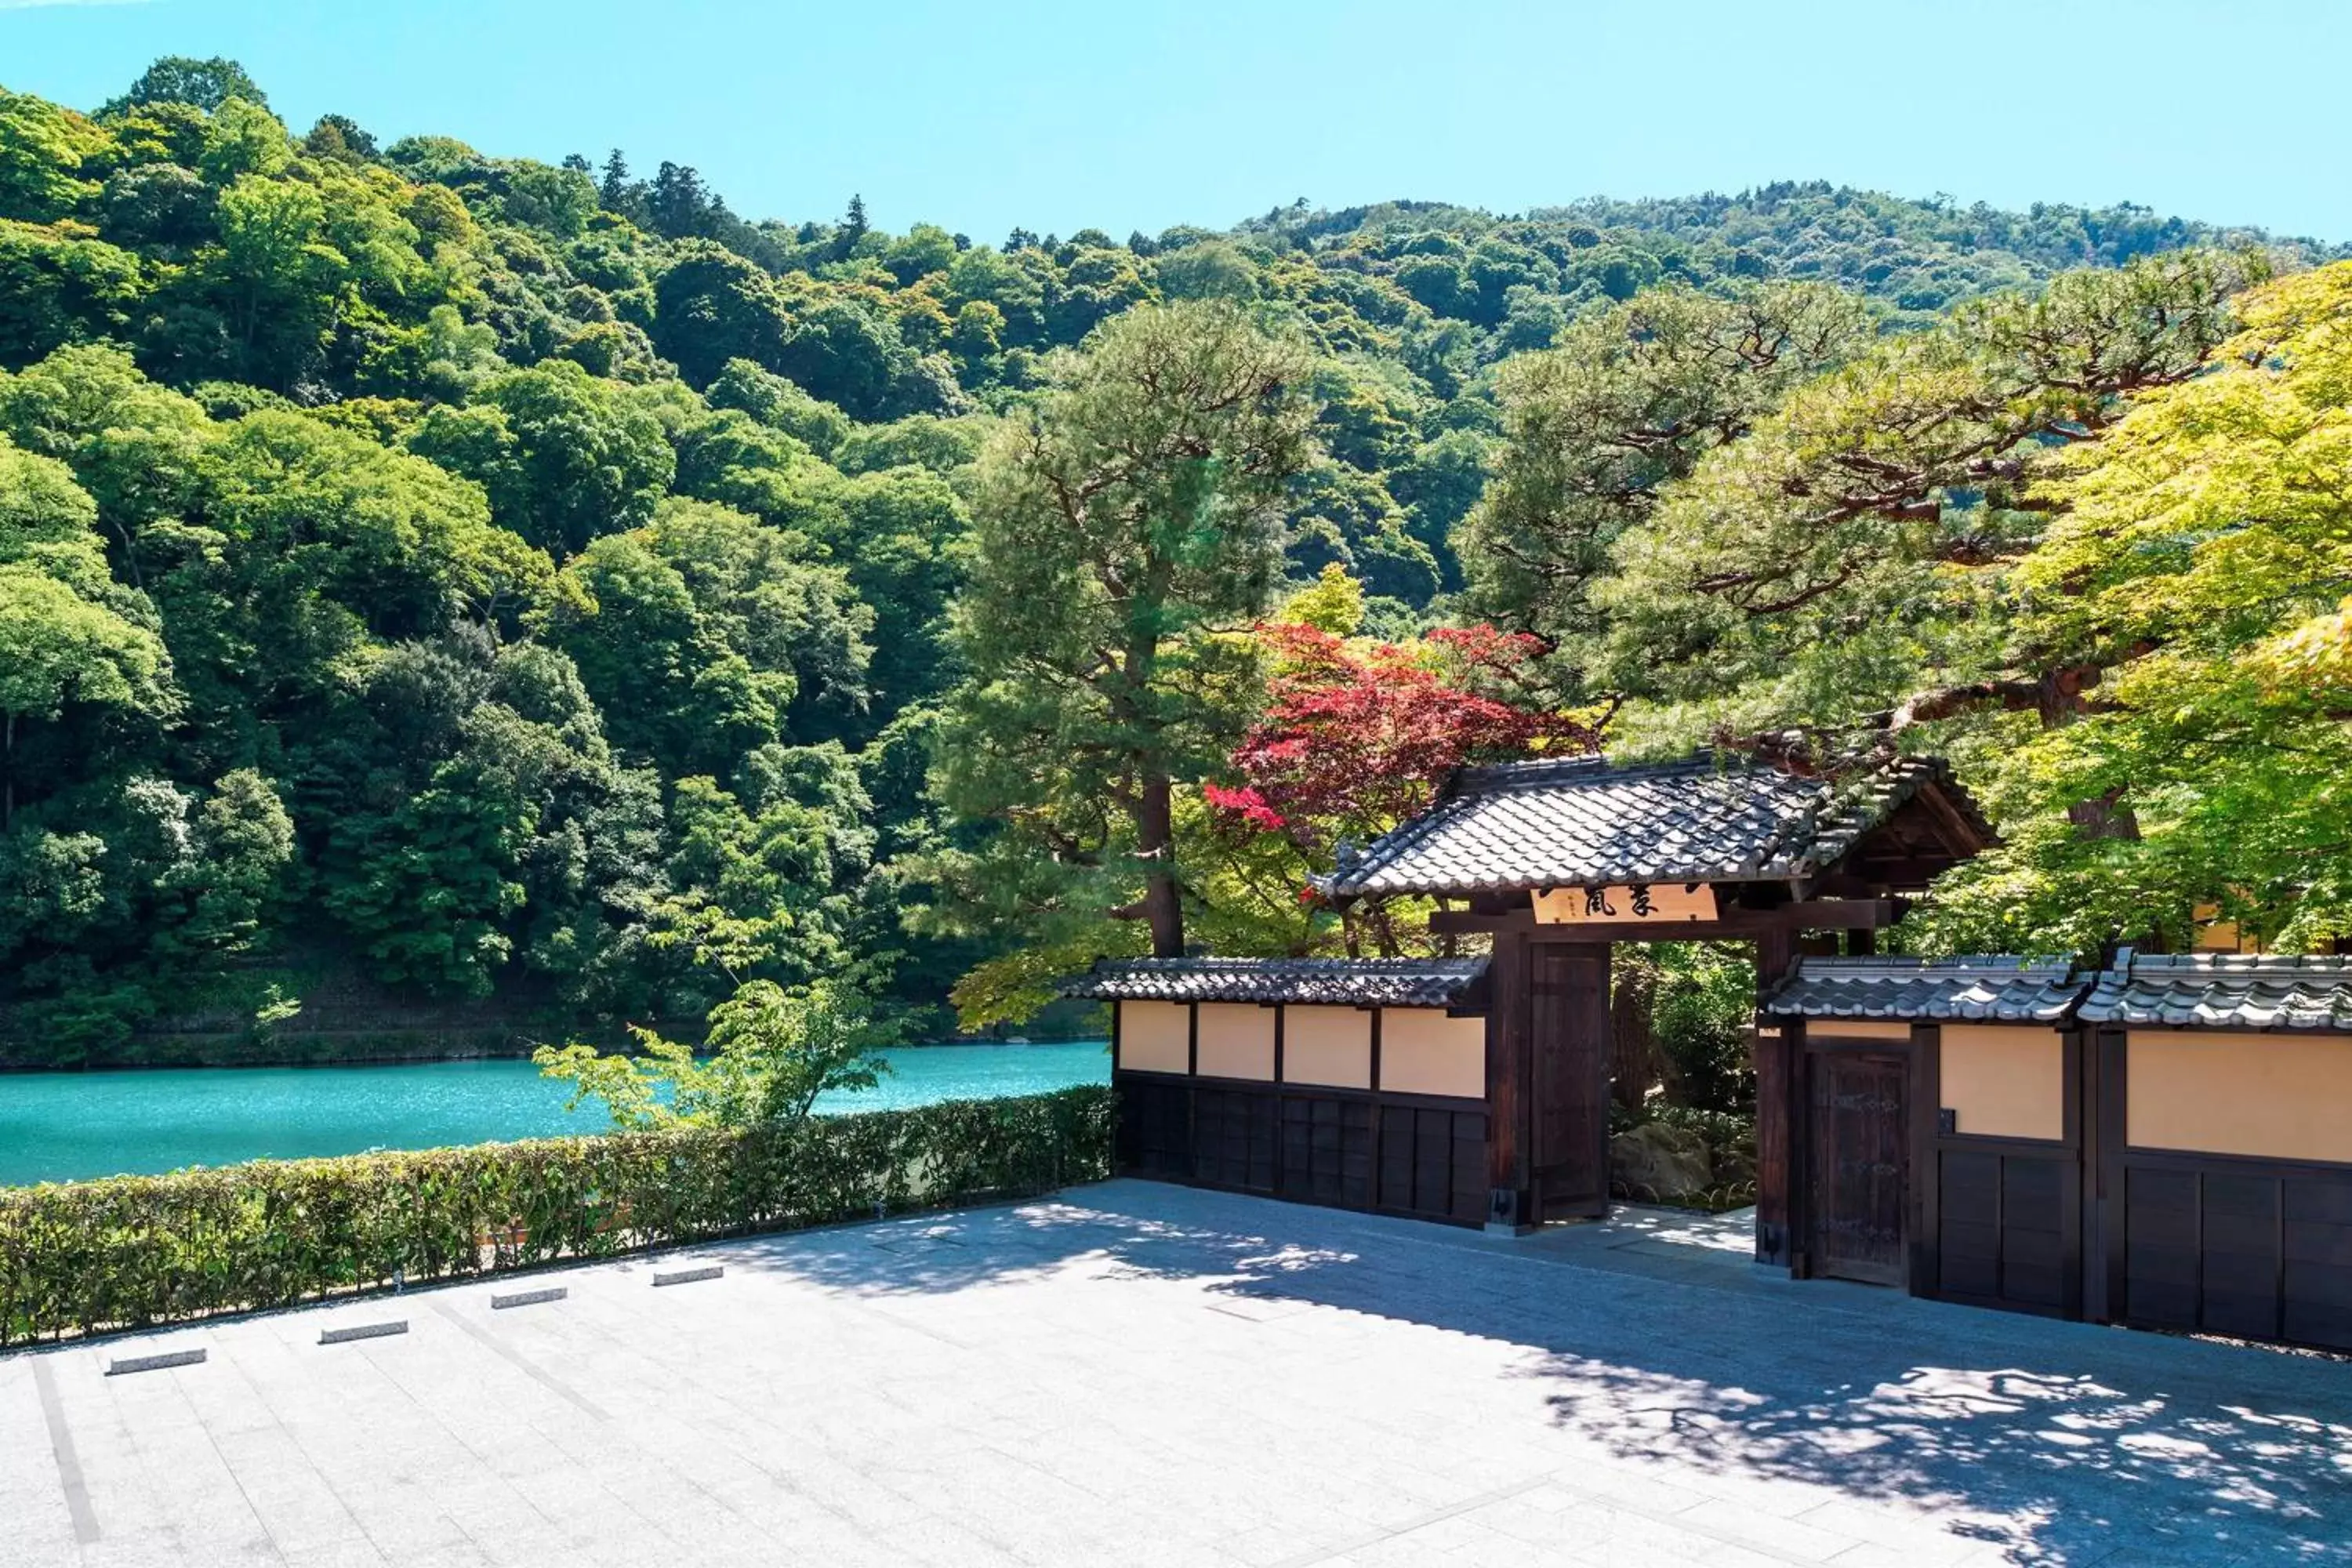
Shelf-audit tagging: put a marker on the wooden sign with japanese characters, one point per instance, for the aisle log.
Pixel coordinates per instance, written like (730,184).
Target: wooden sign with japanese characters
(1627,903)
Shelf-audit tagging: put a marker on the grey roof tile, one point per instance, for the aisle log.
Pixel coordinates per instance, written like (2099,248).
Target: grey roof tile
(1580,822)
(2225,990)
(1342,981)
(1994,990)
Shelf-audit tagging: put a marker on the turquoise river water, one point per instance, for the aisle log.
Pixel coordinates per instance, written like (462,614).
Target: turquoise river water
(60,1127)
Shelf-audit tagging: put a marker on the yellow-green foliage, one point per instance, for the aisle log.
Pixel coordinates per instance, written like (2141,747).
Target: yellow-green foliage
(2203,561)
(89,1257)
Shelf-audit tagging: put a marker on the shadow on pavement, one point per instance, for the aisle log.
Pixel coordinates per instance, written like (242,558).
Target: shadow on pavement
(2062,1443)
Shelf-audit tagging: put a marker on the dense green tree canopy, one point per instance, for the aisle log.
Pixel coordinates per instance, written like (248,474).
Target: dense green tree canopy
(537,588)
(1141,500)
(1848,556)
(1628,401)
(2201,578)
(201,84)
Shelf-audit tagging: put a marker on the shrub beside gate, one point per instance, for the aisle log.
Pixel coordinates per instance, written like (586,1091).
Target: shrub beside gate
(92,1257)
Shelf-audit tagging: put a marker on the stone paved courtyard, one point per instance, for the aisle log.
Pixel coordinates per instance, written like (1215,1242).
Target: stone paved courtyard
(1142,1374)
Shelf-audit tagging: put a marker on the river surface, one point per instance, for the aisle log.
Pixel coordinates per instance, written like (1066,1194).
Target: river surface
(61,1127)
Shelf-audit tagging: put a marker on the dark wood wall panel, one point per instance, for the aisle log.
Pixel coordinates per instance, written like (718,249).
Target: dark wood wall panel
(2239,1256)
(2245,1247)
(1346,1149)
(2041,1212)
(1235,1139)
(1432,1142)
(1400,1143)
(2008,1227)
(1155,1127)
(1327,1151)
(2316,1265)
(1969,1239)
(2161,1219)
(1469,1196)
(1434,1162)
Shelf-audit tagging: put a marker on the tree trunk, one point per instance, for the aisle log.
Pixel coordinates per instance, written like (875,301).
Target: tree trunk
(2060,704)
(1156,846)
(1636,1064)
(2105,817)
(1384,934)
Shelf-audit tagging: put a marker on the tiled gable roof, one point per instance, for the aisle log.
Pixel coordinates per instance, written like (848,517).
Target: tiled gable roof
(1340,981)
(2225,990)
(1582,822)
(1997,990)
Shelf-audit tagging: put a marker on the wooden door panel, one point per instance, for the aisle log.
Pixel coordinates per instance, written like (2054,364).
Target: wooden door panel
(1570,1099)
(1859,1166)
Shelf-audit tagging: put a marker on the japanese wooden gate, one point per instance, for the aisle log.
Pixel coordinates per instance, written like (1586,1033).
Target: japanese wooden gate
(2165,1147)
(1551,1046)
(1556,862)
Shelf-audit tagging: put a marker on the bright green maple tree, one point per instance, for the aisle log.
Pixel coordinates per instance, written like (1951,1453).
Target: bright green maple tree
(2204,566)
(769,1054)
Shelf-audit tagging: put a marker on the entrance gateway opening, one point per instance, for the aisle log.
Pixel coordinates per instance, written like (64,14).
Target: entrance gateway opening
(1557,861)
(1554,862)
(2163,1142)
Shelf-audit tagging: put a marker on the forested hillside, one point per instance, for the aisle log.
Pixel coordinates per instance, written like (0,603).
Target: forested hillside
(540,588)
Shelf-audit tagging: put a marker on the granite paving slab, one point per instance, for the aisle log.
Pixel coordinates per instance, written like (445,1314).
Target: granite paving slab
(1149,1374)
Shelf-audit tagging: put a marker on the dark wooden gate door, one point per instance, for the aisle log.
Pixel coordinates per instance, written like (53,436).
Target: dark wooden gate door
(1569,1119)
(1859,1166)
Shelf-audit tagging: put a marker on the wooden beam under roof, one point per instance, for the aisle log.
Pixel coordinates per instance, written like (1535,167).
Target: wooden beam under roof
(1810,915)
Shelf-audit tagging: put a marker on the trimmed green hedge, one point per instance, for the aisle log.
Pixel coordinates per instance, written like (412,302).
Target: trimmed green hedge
(90,1257)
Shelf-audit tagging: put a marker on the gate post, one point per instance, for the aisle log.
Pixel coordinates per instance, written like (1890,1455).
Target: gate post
(2106,1284)
(1776,1088)
(1510,1201)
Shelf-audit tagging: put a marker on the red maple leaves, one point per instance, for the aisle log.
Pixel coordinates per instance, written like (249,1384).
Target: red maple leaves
(1357,738)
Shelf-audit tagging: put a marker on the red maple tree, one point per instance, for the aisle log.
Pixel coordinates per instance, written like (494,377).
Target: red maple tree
(1354,740)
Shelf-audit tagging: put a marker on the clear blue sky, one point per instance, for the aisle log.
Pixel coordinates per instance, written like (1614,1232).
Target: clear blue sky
(1139,113)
